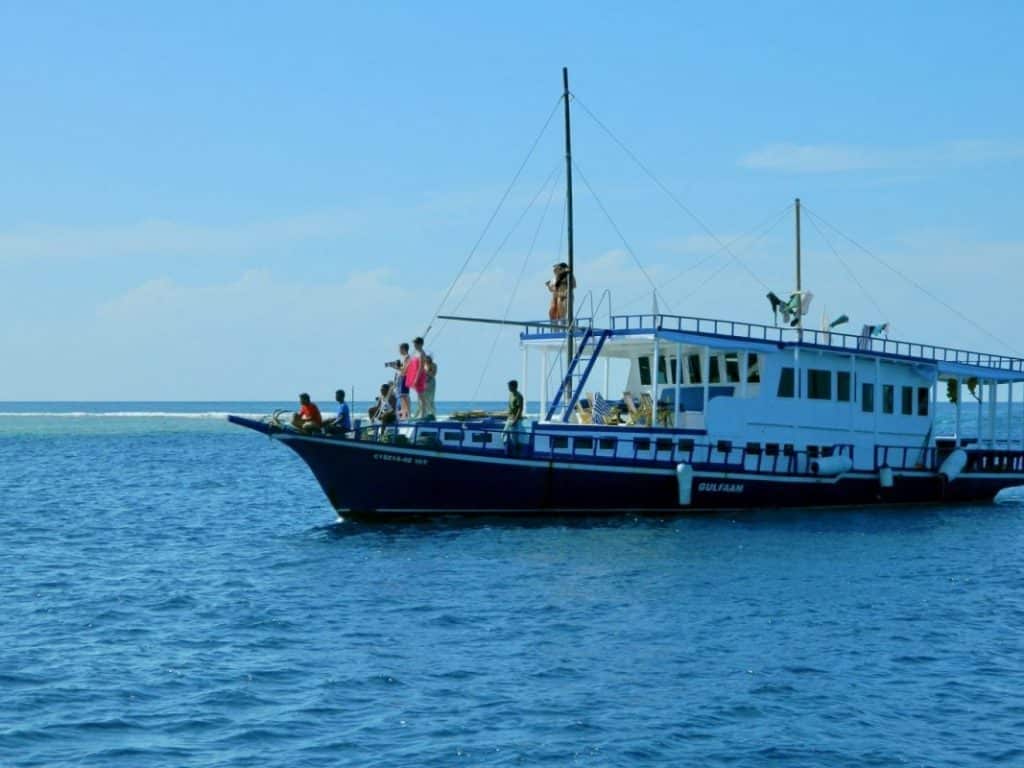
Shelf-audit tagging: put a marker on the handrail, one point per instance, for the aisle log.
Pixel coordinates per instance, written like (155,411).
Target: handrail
(577,390)
(827,339)
(606,293)
(568,374)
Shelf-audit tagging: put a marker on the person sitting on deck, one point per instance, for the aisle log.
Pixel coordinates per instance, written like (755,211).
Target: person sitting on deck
(513,431)
(383,411)
(342,423)
(308,417)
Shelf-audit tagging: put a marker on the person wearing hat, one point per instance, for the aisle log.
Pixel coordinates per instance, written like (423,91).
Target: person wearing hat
(558,311)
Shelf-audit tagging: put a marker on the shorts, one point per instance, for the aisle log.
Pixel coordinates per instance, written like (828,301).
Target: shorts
(402,388)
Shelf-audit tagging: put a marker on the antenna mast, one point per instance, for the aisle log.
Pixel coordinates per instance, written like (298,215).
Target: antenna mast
(568,200)
(799,293)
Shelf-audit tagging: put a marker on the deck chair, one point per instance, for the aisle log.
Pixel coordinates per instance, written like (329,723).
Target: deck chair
(603,411)
(647,406)
(638,413)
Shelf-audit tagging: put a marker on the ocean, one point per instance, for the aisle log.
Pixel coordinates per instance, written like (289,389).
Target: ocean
(177,592)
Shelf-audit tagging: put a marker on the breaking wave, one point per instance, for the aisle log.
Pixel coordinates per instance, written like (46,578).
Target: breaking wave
(209,415)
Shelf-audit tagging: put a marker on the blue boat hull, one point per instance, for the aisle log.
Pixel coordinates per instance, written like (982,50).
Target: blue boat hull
(380,481)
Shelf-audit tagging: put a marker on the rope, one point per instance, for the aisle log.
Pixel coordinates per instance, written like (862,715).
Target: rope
(501,246)
(622,237)
(494,215)
(666,190)
(881,314)
(917,285)
(771,223)
(515,288)
(750,245)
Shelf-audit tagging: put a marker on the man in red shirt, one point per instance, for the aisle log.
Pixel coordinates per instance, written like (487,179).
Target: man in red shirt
(308,417)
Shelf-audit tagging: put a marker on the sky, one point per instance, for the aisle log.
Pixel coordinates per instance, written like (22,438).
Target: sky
(244,200)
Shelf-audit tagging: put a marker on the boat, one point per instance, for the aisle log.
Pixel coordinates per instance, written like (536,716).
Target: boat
(715,415)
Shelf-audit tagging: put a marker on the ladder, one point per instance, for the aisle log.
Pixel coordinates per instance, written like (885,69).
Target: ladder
(579,371)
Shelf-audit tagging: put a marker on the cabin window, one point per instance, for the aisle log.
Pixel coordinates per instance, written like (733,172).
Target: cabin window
(732,367)
(452,436)
(714,377)
(663,444)
(867,397)
(583,443)
(686,444)
(907,401)
(693,365)
(645,371)
(642,444)
(482,437)
(559,443)
(888,398)
(786,382)
(923,396)
(662,373)
(819,384)
(607,443)
(843,386)
(753,369)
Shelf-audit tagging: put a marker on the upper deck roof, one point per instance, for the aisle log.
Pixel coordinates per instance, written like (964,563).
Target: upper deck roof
(743,335)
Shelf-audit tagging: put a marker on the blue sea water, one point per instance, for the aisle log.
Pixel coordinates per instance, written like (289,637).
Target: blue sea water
(176,592)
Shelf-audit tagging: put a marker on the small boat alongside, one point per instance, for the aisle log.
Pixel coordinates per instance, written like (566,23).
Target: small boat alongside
(713,415)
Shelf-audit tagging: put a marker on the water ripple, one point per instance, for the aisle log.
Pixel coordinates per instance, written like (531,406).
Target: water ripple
(181,598)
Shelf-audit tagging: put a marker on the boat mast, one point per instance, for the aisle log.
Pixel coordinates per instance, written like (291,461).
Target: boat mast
(799,295)
(568,202)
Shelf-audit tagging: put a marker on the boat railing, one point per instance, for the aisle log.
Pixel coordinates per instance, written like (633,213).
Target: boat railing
(994,460)
(905,457)
(829,339)
(666,449)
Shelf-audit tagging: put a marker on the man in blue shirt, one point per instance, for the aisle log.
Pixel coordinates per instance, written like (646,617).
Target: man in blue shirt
(342,423)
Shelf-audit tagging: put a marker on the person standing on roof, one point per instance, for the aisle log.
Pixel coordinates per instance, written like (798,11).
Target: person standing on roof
(559,309)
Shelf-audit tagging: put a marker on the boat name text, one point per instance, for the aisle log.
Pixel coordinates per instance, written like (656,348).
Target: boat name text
(721,487)
(399,459)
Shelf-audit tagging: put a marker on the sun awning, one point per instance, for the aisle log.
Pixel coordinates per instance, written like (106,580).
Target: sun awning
(980,372)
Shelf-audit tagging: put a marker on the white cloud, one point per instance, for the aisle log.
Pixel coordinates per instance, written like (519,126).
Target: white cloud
(158,236)
(835,158)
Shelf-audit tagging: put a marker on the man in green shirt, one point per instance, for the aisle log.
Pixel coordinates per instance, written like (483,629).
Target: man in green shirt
(512,434)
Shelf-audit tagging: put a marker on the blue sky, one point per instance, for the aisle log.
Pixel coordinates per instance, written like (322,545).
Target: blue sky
(245,200)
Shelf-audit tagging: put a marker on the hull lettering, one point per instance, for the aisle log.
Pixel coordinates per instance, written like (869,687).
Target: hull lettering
(721,487)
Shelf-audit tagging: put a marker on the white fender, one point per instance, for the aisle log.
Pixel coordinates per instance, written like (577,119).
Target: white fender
(953,465)
(830,466)
(684,477)
(885,477)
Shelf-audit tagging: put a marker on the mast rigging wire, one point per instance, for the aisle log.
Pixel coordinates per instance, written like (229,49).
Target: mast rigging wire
(881,314)
(494,215)
(501,246)
(916,284)
(666,190)
(771,222)
(766,231)
(515,288)
(622,237)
